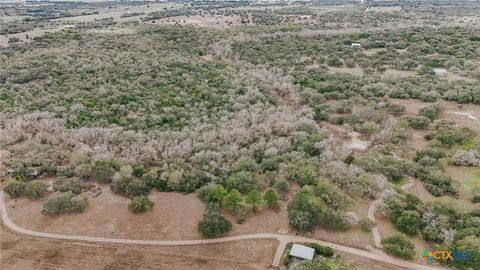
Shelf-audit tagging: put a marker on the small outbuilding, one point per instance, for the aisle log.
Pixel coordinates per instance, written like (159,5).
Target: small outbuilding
(302,252)
(440,72)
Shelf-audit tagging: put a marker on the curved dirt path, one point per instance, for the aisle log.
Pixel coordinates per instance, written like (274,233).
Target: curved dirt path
(371,214)
(282,239)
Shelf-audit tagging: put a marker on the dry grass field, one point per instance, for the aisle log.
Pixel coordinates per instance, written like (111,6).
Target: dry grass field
(22,253)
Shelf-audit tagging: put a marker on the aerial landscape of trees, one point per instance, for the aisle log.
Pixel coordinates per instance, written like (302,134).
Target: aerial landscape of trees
(270,111)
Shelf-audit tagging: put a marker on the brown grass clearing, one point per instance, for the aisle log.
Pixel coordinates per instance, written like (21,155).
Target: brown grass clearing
(174,217)
(354,237)
(217,21)
(39,253)
(465,114)
(266,220)
(23,36)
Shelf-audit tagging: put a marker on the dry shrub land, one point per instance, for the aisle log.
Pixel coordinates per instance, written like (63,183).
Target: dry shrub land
(207,119)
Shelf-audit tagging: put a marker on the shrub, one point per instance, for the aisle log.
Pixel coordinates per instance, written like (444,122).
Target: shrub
(439,184)
(367,128)
(466,158)
(431,112)
(334,62)
(64,202)
(103,170)
(307,175)
(67,184)
(322,112)
(15,188)
(366,224)
(35,189)
(408,222)
(349,159)
(282,184)
(396,109)
(271,164)
(419,122)
(21,171)
(450,135)
(140,204)
(321,250)
(138,170)
(130,186)
(399,246)
(212,193)
(162,185)
(332,195)
(332,220)
(242,181)
(343,107)
(213,224)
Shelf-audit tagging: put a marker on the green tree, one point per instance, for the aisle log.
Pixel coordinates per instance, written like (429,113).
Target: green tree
(64,202)
(35,189)
(103,170)
(301,221)
(366,224)
(399,246)
(15,188)
(270,197)
(307,175)
(130,186)
(396,109)
(254,197)
(431,112)
(242,181)
(67,184)
(233,200)
(140,204)
(219,193)
(213,224)
(419,122)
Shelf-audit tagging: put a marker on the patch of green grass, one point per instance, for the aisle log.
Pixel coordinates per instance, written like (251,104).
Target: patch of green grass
(469,143)
(475,180)
(401,182)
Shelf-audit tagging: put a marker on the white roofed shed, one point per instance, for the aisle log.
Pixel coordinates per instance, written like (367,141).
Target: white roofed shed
(302,252)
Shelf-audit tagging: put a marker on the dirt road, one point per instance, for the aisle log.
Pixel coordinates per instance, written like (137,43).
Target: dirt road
(282,239)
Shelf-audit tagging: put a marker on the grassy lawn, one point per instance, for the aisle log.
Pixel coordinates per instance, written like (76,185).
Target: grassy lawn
(469,143)
(475,180)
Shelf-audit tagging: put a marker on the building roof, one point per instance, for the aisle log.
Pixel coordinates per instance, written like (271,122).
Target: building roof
(302,252)
(440,71)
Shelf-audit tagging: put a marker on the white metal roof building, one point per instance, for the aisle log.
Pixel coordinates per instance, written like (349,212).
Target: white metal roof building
(440,71)
(302,252)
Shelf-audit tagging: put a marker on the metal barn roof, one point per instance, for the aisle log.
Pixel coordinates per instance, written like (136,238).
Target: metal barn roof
(302,252)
